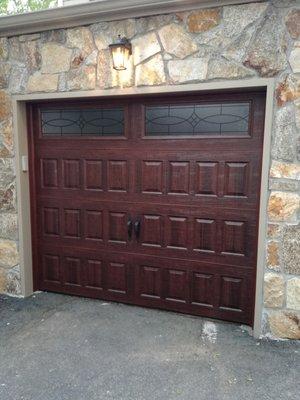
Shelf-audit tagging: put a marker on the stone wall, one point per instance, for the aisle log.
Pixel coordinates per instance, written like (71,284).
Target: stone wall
(232,42)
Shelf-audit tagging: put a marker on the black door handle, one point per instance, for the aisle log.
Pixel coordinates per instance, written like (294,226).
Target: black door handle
(137,228)
(129,229)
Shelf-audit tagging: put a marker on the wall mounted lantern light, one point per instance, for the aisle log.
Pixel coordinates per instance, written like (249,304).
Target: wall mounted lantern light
(120,51)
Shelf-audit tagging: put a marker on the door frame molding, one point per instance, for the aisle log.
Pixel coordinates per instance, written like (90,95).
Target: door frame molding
(20,132)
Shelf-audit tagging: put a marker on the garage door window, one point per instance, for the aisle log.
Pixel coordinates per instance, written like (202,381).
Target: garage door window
(83,122)
(225,119)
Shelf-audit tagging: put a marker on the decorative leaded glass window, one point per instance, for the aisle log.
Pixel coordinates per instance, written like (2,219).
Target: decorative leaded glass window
(98,122)
(198,119)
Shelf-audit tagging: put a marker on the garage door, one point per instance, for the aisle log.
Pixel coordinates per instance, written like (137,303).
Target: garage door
(150,201)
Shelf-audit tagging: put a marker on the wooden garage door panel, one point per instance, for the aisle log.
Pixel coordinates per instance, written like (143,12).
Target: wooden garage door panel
(133,213)
(81,223)
(185,286)
(70,271)
(227,182)
(223,236)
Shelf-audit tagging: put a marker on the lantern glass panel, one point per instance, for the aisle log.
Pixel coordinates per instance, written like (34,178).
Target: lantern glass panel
(120,55)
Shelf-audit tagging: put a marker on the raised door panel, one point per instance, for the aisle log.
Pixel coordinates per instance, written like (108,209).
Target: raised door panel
(151,177)
(231,293)
(71,223)
(177,232)
(176,287)
(152,230)
(72,271)
(234,238)
(51,268)
(93,225)
(93,175)
(202,289)
(117,230)
(117,176)
(205,235)
(236,179)
(149,282)
(93,274)
(49,173)
(117,277)
(206,178)
(71,174)
(50,221)
(178,177)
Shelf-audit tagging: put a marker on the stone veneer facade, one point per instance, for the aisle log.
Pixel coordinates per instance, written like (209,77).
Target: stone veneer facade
(232,42)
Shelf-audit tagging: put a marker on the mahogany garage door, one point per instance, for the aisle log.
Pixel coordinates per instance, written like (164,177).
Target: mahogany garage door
(149,200)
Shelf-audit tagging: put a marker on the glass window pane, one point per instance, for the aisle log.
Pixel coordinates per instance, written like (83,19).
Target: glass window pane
(83,122)
(198,119)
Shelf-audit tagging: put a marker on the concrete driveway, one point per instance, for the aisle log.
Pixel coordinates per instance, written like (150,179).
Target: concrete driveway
(56,347)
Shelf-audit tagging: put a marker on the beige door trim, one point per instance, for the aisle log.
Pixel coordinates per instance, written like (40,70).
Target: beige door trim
(22,178)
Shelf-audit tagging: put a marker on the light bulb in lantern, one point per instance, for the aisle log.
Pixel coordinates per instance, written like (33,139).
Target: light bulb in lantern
(120,51)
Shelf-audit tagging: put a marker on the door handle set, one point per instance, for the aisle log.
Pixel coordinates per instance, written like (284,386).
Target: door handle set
(136,226)
(129,229)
